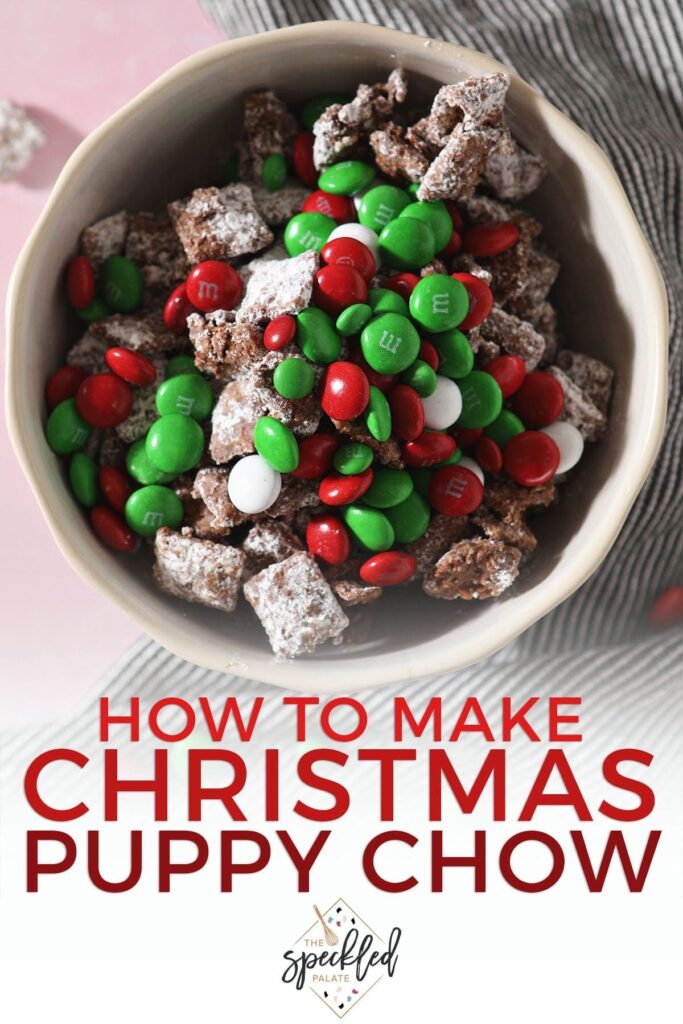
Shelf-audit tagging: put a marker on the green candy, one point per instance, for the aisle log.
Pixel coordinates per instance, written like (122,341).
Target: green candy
(65,430)
(378,415)
(438,302)
(390,343)
(352,458)
(316,336)
(229,171)
(293,378)
(420,377)
(382,204)
(369,526)
(505,426)
(389,487)
(141,467)
(413,188)
(353,319)
(274,172)
(121,284)
(149,508)
(83,478)
(411,518)
(95,310)
(311,111)
(186,393)
(175,443)
(450,460)
(307,231)
(456,358)
(407,243)
(482,400)
(180,364)
(383,300)
(436,216)
(346,178)
(276,444)
(422,477)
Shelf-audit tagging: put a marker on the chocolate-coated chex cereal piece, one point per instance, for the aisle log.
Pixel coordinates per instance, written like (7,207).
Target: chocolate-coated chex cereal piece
(211,486)
(463,263)
(479,209)
(541,273)
(442,532)
(112,450)
(142,332)
(197,570)
(436,266)
(268,542)
(154,246)
(478,101)
(277,207)
(514,336)
(351,592)
(395,156)
(516,534)
(594,377)
(578,408)
(276,287)
(296,606)
(88,353)
(455,172)
(268,128)
(20,139)
(104,238)
(302,415)
(143,411)
(474,569)
(511,503)
(233,420)
(222,347)
(511,172)
(219,223)
(341,127)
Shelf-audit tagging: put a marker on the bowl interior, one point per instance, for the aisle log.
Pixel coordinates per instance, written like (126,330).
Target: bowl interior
(171,141)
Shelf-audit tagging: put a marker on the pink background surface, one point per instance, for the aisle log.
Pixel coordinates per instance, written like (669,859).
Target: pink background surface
(71,64)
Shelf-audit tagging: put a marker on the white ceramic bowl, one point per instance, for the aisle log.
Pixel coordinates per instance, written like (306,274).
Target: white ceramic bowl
(610,295)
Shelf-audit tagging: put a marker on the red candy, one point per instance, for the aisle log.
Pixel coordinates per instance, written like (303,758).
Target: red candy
(466,436)
(104,400)
(383,381)
(114,486)
(455,491)
(490,239)
(388,568)
(80,282)
(455,213)
(481,300)
(315,456)
(351,252)
(346,391)
(279,332)
(337,286)
(337,489)
(112,529)
(540,400)
(429,355)
(508,372)
(453,246)
(130,366)
(428,449)
(407,412)
(531,458)
(177,309)
(63,384)
(328,538)
(402,284)
(302,158)
(488,455)
(667,609)
(339,208)
(214,285)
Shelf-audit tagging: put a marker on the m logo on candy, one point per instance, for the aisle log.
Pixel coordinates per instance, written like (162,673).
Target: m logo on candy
(340,958)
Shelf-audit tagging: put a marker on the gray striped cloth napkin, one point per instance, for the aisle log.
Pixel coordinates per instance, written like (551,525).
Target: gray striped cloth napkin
(614,67)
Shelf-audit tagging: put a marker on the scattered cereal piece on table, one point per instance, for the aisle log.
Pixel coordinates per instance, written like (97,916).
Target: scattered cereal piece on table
(20,139)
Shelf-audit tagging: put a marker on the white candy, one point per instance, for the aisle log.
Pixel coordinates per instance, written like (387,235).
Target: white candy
(358,231)
(253,485)
(443,407)
(570,442)
(473,467)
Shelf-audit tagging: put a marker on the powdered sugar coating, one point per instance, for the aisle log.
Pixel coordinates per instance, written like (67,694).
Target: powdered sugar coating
(513,336)
(268,542)
(222,347)
(277,207)
(20,139)
(219,223)
(142,332)
(276,287)
(474,569)
(105,238)
(578,408)
(342,127)
(196,570)
(296,606)
(88,353)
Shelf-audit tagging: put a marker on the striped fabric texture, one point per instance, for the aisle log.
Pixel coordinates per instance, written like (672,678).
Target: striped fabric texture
(614,67)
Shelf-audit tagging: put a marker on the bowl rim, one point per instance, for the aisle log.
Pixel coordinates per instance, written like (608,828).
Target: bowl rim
(331,676)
